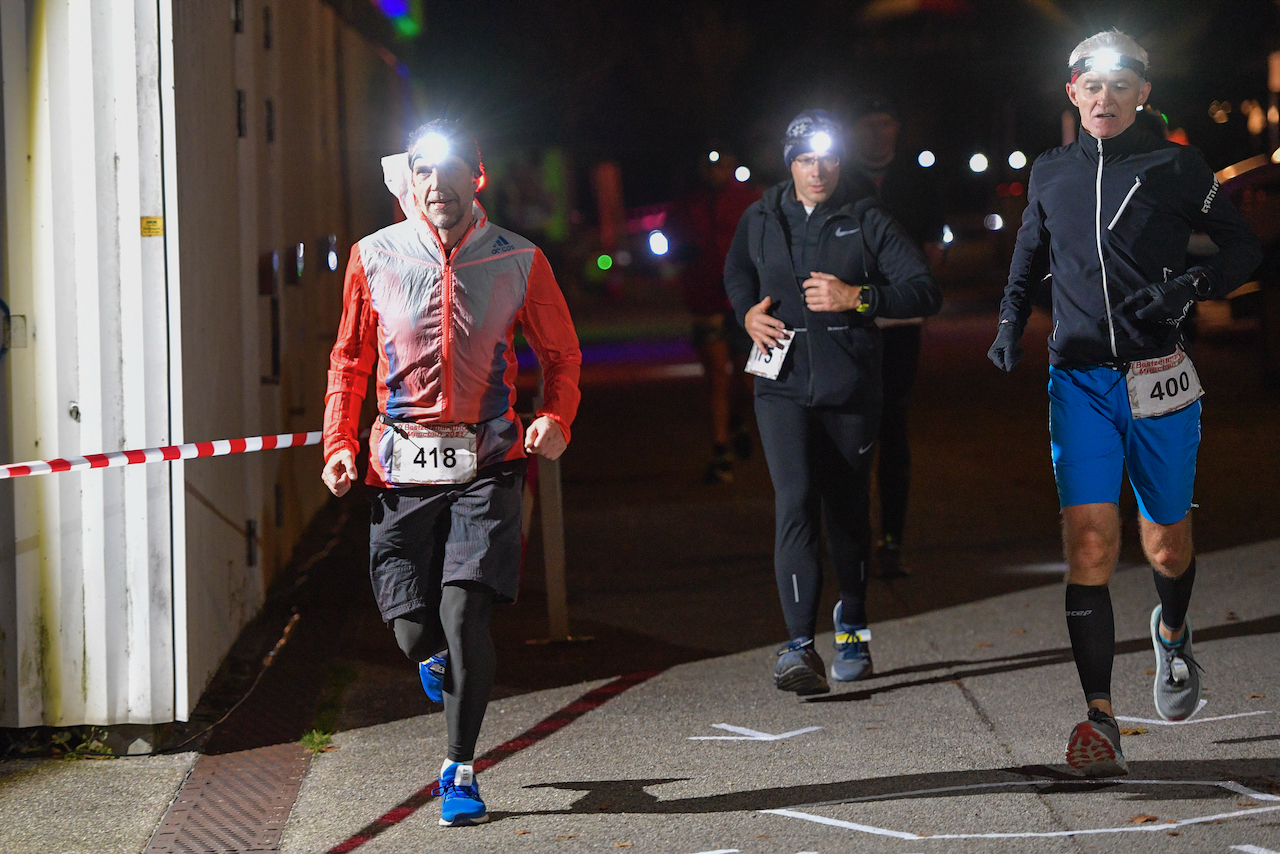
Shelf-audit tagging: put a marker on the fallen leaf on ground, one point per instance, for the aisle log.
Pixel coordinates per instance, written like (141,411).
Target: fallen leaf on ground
(623,844)
(1142,819)
(1173,833)
(1132,730)
(1255,696)
(329,749)
(873,727)
(523,832)
(986,644)
(1019,632)
(570,836)
(1246,803)
(1150,671)
(764,836)
(1231,617)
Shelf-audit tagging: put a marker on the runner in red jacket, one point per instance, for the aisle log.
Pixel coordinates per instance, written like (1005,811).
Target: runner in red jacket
(433,301)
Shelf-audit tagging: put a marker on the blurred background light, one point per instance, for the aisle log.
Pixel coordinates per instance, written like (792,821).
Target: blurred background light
(926,158)
(993,222)
(1017,160)
(947,236)
(604,262)
(714,157)
(658,243)
(743,174)
(978,163)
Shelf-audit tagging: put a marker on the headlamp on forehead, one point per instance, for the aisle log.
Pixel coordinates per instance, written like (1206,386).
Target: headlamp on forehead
(820,142)
(1107,61)
(433,148)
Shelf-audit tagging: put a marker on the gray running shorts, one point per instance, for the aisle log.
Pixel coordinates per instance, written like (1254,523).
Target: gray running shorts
(423,537)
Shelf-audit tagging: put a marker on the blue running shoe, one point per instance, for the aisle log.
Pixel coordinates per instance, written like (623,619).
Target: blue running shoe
(460,803)
(800,669)
(431,672)
(853,651)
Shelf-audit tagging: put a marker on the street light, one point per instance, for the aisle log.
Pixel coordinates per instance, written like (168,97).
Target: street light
(926,158)
(978,163)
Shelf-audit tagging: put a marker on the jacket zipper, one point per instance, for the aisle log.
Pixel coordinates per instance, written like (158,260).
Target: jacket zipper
(1097,227)
(1137,182)
(446,330)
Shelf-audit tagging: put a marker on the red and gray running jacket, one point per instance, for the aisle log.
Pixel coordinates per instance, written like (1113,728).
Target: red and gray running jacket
(440,328)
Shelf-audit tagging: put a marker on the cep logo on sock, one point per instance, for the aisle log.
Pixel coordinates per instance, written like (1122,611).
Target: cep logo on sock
(1079,613)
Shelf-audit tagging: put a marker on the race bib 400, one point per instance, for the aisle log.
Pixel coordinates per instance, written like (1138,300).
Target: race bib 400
(431,453)
(1163,385)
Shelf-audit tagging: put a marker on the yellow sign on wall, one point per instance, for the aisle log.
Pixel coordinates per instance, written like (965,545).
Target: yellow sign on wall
(153,226)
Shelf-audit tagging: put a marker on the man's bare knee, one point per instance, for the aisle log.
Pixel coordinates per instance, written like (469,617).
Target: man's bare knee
(1168,547)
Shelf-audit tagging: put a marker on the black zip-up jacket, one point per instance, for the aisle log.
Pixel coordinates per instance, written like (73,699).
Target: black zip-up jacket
(1106,218)
(835,359)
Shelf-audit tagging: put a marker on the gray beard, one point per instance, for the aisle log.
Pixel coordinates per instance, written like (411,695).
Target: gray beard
(445,221)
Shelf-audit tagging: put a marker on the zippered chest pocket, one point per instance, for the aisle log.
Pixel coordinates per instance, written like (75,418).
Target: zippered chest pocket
(1133,188)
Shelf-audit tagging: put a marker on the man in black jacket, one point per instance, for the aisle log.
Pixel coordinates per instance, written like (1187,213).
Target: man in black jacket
(811,266)
(1109,217)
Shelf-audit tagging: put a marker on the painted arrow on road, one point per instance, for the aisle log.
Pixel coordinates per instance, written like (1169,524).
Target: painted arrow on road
(745,734)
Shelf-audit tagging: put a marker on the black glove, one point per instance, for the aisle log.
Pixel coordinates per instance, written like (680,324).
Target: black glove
(1005,352)
(1167,302)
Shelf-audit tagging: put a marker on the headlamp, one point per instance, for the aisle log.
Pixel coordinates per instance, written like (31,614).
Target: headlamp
(820,142)
(1106,61)
(434,147)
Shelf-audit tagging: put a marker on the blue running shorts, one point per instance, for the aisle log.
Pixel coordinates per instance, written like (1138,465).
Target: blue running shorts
(1095,437)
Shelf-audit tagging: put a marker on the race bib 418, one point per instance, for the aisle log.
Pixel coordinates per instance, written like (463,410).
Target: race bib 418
(431,453)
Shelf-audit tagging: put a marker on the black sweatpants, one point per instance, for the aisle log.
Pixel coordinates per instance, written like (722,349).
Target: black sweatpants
(901,361)
(820,463)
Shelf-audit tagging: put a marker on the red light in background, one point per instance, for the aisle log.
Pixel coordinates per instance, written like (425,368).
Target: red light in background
(1002,190)
(1015,189)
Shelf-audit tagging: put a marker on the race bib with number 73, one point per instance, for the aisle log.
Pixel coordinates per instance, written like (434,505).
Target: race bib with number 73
(430,453)
(769,365)
(1163,385)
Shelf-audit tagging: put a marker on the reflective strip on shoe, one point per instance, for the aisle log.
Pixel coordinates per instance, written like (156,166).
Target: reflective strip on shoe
(858,636)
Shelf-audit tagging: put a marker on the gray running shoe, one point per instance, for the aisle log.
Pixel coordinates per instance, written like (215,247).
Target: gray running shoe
(800,669)
(1177,685)
(1094,747)
(853,651)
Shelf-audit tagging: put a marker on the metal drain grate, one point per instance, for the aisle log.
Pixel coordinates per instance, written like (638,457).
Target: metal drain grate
(237,802)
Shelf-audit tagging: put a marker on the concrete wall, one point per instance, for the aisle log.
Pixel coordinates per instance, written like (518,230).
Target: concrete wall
(121,590)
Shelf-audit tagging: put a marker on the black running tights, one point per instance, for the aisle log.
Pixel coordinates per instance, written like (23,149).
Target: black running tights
(462,626)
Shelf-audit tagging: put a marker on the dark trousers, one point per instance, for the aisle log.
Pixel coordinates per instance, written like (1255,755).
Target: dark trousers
(901,361)
(820,463)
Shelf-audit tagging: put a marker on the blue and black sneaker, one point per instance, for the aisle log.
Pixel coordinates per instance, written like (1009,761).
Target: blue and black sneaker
(460,802)
(800,669)
(853,651)
(431,672)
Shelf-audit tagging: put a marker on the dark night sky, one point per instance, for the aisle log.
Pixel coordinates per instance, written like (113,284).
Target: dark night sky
(654,84)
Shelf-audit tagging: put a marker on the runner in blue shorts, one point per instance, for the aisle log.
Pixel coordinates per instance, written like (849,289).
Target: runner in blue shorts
(1109,217)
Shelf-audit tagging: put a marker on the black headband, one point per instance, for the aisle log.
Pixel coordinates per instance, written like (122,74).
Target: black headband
(1085,64)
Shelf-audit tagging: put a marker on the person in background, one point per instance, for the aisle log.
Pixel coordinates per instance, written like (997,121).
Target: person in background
(907,193)
(703,224)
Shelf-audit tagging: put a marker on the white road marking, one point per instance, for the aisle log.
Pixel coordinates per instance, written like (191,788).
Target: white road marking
(745,734)
(1146,828)
(721,851)
(1192,719)
(1253,849)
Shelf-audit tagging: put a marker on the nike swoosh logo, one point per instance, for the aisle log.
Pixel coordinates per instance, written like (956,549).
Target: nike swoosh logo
(842,233)
(867,448)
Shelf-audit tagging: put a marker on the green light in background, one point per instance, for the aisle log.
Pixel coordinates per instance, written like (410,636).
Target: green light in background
(604,262)
(407,26)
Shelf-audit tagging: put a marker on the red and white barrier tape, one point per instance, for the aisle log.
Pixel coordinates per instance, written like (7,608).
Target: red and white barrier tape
(113,459)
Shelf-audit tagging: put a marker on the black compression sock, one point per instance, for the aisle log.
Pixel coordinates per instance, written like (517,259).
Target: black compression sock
(1175,595)
(1092,627)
